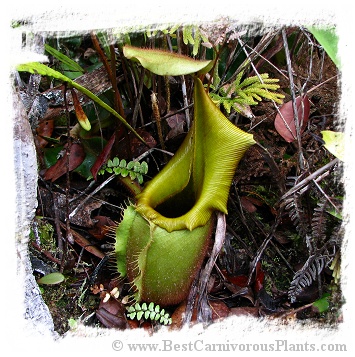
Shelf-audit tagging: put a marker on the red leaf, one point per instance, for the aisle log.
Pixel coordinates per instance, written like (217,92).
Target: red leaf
(76,157)
(101,159)
(286,115)
(239,280)
(259,278)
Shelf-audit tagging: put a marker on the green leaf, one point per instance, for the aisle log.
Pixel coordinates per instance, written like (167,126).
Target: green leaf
(166,63)
(322,304)
(144,168)
(130,165)
(123,163)
(72,323)
(71,65)
(131,309)
(117,170)
(132,315)
(335,213)
(124,172)
(51,279)
(84,168)
(328,39)
(334,143)
(51,155)
(115,161)
(139,178)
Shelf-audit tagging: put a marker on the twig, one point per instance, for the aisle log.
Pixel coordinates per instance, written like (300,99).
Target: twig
(156,114)
(293,96)
(170,115)
(139,94)
(204,309)
(73,213)
(68,236)
(111,72)
(183,85)
(294,311)
(264,245)
(83,242)
(48,255)
(117,98)
(309,178)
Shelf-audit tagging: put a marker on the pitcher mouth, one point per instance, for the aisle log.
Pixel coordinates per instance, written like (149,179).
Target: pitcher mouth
(177,205)
(196,181)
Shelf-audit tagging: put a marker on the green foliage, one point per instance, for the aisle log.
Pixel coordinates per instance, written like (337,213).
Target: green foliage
(73,323)
(51,279)
(192,35)
(72,65)
(328,39)
(165,63)
(44,230)
(134,169)
(322,304)
(149,312)
(250,91)
(334,142)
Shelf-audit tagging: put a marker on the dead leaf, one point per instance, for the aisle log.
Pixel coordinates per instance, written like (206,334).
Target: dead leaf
(81,218)
(244,311)
(83,242)
(137,147)
(176,123)
(76,157)
(284,120)
(247,204)
(113,306)
(44,129)
(110,320)
(101,227)
(219,309)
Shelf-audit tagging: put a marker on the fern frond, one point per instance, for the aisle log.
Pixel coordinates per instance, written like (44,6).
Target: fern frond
(134,169)
(250,91)
(296,213)
(192,35)
(306,275)
(319,221)
(148,312)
